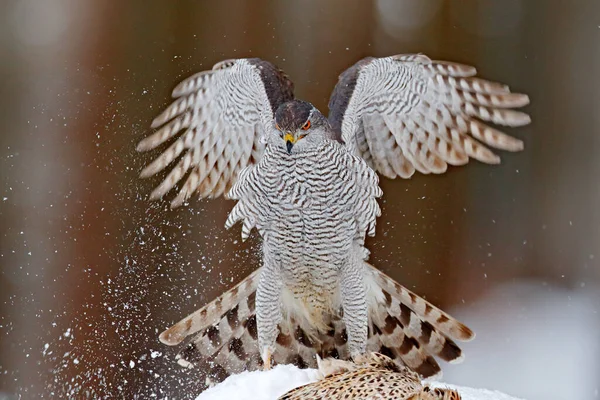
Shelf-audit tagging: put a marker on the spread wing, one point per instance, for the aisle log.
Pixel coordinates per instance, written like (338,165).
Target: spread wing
(217,120)
(406,112)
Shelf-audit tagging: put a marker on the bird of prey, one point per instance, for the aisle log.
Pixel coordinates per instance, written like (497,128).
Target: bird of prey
(370,376)
(309,185)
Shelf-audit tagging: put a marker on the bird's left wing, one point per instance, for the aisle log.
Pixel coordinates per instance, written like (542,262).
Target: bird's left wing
(218,119)
(406,112)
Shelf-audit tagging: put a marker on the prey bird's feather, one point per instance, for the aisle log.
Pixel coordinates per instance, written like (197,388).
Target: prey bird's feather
(371,376)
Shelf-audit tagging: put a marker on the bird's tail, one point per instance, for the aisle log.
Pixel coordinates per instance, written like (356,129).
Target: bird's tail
(402,325)
(409,329)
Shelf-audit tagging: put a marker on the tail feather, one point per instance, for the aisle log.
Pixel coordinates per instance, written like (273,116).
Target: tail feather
(421,307)
(221,350)
(396,343)
(225,340)
(399,317)
(403,326)
(211,313)
(409,328)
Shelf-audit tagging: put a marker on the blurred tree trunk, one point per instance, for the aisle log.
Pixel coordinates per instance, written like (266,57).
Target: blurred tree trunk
(565,92)
(51,242)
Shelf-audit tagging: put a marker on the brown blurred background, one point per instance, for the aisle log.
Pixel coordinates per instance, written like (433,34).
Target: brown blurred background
(91,271)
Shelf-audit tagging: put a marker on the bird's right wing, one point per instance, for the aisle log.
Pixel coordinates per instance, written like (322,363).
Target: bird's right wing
(218,119)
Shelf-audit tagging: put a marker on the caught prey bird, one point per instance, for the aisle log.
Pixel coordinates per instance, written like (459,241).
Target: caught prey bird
(372,376)
(309,185)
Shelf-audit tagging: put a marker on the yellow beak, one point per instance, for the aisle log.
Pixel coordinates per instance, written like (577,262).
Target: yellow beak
(289,138)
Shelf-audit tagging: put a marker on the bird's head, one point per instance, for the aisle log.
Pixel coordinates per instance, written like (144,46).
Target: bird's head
(300,126)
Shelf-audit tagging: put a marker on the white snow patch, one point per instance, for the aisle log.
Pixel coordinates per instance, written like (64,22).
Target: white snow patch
(534,341)
(269,385)
(468,393)
(260,385)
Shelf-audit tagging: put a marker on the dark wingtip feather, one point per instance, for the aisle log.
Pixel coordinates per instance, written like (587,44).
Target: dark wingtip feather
(278,86)
(342,92)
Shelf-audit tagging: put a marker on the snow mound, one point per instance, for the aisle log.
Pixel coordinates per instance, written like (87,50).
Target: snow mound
(468,393)
(260,385)
(269,385)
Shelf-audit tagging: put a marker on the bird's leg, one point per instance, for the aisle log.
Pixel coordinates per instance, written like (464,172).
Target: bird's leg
(354,304)
(266,357)
(268,311)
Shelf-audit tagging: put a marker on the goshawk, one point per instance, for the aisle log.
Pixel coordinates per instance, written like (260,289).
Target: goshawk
(309,185)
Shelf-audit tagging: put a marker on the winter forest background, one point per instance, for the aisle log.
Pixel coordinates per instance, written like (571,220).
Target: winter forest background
(91,272)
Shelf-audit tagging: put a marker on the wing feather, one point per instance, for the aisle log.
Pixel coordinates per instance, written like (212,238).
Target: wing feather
(375,134)
(406,112)
(217,121)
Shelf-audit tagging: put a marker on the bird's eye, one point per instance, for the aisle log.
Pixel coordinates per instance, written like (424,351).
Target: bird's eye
(306,125)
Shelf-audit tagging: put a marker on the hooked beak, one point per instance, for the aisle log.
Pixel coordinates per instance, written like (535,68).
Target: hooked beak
(289,142)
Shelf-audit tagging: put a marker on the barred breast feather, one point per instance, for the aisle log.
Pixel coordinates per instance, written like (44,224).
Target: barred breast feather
(327,177)
(313,211)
